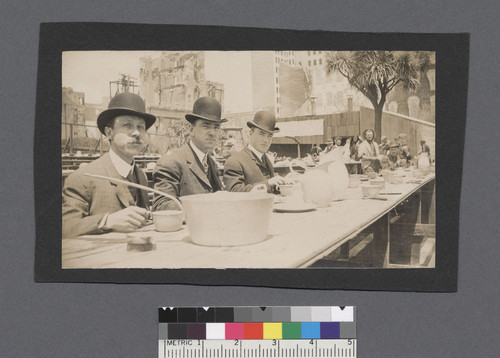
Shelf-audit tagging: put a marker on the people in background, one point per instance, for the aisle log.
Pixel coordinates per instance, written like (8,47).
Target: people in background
(190,169)
(251,166)
(315,150)
(337,142)
(329,146)
(383,145)
(93,206)
(404,149)
(392,159)
(369,153)
(424,148)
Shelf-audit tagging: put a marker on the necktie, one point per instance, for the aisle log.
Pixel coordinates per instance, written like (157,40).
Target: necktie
(205,164)
(133,191)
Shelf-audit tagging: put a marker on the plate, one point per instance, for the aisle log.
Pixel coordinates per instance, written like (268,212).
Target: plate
(281,208)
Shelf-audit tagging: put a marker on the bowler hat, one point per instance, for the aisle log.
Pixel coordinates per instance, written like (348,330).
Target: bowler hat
(124,104)
(207,108)
(392,145)
(264,120)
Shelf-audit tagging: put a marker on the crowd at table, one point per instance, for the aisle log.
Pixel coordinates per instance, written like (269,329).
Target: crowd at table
(94,206)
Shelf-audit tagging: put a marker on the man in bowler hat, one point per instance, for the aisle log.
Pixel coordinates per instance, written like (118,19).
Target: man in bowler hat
(250,167)
(190,169)
(92,206)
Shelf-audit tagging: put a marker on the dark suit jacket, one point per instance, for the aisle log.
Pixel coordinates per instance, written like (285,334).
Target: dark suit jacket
(86,200)
(179,174)
(242,171)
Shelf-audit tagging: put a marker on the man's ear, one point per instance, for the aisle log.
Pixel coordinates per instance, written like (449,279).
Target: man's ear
(108,132)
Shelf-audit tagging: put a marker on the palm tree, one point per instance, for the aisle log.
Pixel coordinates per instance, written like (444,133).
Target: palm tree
(376,73)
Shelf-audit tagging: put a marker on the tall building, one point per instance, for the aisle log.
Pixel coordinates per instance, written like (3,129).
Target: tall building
(175,80)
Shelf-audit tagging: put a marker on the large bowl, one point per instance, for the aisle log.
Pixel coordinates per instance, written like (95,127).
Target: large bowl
(167,220)
(370,191)
(228,219)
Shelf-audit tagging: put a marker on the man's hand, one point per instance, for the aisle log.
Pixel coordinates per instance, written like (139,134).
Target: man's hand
(259,188)
(128,219)
(276,180)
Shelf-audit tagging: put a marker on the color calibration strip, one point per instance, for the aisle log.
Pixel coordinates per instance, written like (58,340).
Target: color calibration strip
(257,323)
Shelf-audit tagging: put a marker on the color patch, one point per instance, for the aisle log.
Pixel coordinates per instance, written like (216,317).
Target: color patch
(262,314)
(186,314)
(311,330)
(216,330)
(300,314)
(292,330)
(224,314)
(342,314)
(205,315)
(163,331)
(243,314)
(234,331)
(321,314)
(253,330)
(330,330)
(196,331)
(177,331)
(347,330)
(168,315)
(281,314)
(272,330)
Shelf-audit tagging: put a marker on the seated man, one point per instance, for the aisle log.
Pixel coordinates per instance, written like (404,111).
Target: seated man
(249,167)
(91,205)
(392,160)
(190,169)
(368,152)
(404,149)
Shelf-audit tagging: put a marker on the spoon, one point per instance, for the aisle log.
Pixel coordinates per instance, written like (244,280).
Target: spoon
(139,186)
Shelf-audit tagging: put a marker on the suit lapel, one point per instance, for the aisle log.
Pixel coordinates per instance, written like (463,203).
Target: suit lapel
(122,191)
(195,167)
(259,162)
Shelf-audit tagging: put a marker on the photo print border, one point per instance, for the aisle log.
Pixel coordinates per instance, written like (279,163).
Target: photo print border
(452,61)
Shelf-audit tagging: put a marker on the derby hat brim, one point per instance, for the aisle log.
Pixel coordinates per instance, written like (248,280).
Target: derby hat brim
(252,124)
(190,117)
(108,115)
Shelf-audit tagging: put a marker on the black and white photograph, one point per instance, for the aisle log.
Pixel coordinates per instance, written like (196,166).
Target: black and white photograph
(248,159)
(248,156)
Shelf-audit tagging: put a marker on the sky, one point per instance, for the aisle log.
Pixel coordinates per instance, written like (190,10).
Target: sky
(91,71)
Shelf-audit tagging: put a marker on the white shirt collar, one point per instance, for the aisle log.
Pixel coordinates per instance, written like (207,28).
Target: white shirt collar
(121,166)
(198,152)
(256,152)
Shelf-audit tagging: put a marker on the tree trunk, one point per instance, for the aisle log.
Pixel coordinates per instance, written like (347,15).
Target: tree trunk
(378,121)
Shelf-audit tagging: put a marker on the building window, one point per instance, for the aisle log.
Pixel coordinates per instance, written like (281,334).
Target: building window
(277,110)
(314,62)
(314,52)
(308,53)
(276,80)
(309,62)
(277,90)
(320,61)
(319,51)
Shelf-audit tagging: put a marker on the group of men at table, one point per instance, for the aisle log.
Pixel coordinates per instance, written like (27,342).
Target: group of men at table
(93,206)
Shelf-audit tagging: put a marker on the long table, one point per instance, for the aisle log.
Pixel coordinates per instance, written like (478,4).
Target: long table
(294,240)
